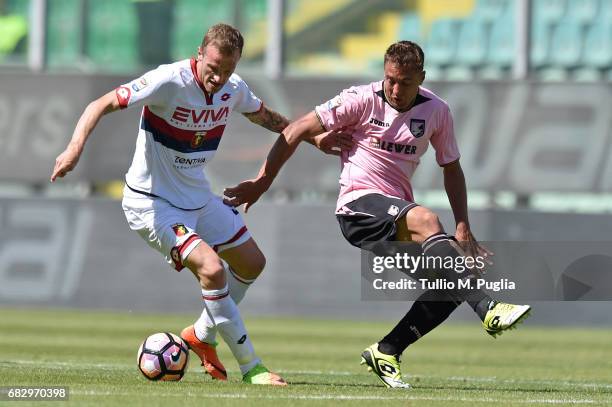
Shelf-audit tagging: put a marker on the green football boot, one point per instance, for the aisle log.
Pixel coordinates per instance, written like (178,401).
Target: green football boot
(261,375)
(502,317)
(385,367)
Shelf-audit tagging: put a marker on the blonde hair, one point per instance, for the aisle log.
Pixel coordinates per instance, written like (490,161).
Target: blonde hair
(225,37)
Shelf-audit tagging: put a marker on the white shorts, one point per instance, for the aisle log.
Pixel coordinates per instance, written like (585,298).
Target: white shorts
(176,232)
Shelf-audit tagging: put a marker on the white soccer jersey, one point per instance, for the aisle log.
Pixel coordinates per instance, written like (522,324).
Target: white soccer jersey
(180,129)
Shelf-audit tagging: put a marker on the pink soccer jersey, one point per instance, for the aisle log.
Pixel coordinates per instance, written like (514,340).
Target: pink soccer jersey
(388,143)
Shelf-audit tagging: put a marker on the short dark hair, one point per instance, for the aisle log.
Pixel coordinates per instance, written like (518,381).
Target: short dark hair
(407,54)
(227,38)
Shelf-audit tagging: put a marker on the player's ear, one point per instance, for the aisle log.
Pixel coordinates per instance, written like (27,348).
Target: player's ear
(200,53)
(422,77)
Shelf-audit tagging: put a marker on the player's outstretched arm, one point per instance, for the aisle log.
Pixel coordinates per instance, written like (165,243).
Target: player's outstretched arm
(268,119)
(333,142)
(248,192)
(68,159)
(329,143)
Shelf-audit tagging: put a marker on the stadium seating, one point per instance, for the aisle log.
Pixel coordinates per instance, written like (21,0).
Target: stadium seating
(410,27)
(13,30)
(191,17)
(540,46)
(583,11)
(501,41)
(569,37)
(490,10)
(605,11)
(442,44)
(548,12)
(63,33)
(112,35)
(359,47)
(473,39)
(566,44)
(598,45)
(20,7)
(462,38)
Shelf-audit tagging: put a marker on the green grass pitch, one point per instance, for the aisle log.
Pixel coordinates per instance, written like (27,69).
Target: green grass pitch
(94,353)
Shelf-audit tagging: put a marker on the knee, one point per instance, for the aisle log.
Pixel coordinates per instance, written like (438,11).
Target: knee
(430,221)
(425,222)
(211,270)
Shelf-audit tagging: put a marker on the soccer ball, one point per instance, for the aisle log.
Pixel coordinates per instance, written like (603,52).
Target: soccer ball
(163,356)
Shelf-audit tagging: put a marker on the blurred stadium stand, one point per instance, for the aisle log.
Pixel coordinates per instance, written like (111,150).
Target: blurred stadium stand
(537,155)
(13,31)
(464,40)
(475,38)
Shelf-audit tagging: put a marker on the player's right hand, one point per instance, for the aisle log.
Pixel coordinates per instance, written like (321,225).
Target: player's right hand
(65,162)
(246,193)
(334,142)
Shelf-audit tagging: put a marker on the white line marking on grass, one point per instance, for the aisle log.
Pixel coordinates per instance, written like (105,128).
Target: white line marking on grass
(62,365)
(484,379)
(515,381)
(332,397)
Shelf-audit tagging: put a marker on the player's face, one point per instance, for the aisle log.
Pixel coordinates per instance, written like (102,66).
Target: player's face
(402,85)
(216,67)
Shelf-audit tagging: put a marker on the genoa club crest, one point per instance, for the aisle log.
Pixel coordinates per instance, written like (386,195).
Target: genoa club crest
(417,127)
(179,229)
(198,139)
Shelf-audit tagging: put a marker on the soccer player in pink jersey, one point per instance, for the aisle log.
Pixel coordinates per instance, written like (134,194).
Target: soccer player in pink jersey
(167,197)
(393,122)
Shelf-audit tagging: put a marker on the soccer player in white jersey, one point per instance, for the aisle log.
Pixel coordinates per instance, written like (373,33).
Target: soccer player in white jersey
(167,198)
(393,123)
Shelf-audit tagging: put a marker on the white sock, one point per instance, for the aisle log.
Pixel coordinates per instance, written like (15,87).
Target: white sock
(238,286)
(226,316)
(204,327)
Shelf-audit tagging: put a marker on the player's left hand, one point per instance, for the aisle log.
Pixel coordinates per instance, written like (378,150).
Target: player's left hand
(470,245)
(246,193)
(334,142)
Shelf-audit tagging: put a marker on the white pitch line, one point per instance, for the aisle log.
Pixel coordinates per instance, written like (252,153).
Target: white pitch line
(484,379)
(336,397)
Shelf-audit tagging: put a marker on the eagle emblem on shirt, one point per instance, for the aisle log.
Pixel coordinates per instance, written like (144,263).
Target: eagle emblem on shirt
(417,127)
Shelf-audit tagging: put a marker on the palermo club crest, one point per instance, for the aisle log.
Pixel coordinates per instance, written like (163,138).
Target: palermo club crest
(417,127)
(198,139)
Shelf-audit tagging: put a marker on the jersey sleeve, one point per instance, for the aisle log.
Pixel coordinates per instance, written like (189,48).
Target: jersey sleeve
(443,139)
(344,110)
(152,88)
(246,101)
